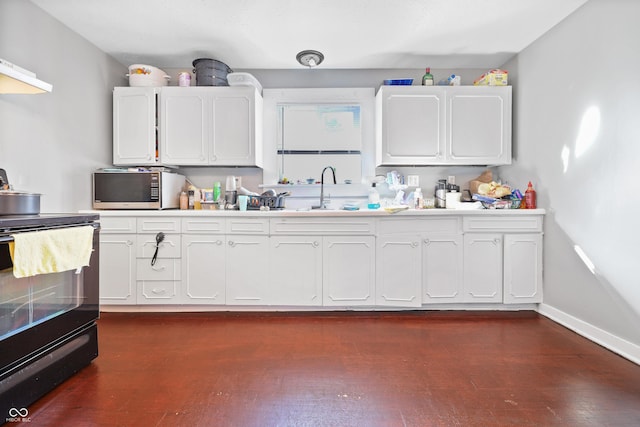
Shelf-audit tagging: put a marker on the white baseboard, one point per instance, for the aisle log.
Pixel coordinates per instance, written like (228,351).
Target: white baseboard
(624,348)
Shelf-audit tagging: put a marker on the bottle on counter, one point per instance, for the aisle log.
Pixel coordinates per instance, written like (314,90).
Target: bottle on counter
(191,199)
(530,197)
(427,79)
(216,191)
(418,200)
(374,197)
(184,201)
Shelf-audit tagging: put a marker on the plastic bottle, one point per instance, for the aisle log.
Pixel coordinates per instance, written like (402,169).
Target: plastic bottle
(374,197)
(427,79)
(418,200)
(216,191)
(530,197)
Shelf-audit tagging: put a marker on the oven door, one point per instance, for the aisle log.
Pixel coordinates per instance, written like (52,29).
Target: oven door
(40,320)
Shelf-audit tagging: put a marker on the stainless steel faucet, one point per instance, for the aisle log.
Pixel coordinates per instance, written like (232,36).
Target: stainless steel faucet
(333,171)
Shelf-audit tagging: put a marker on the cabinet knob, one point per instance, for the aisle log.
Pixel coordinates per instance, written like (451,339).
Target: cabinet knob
(129,243)
(427,241)
(218,242)
(232,243)
(414,244)
(496,241)
(316,244)
(214,158)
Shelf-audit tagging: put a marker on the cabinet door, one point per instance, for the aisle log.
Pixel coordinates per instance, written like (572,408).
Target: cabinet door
(348,270)
(184,126)
(233,127)
(398,270)
(482,267)
(117,269)
(479,125)
(203,269)
(134,126)
(442,268)
(411,126)
(522,268)
(247,274)
(295,270)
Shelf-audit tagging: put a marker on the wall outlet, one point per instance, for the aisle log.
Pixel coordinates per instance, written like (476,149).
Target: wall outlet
(413,180)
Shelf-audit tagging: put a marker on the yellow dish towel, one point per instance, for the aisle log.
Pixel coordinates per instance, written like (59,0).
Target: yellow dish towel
(51,251)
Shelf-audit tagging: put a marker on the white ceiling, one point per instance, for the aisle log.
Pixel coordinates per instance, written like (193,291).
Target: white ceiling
(267,34)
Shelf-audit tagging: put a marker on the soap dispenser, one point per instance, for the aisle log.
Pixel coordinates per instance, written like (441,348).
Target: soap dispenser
(374,197)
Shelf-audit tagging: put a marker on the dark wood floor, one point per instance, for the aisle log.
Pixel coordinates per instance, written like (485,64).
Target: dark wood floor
(344,369)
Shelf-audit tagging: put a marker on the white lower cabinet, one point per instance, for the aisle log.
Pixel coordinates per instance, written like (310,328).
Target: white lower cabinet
(203,269)
(522,268)
(391,261)
(117,268)
(348,270)
(118,243)
(295,270)
(247,272)
(158,269)
(398,270)
(442,261)
(482,267)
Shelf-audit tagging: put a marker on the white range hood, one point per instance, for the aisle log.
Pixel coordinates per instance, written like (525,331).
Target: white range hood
(14,79)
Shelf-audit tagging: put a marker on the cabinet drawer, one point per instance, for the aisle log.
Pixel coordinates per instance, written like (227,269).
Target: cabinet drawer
(164,269)
(117,224)
(445,225)
(248,225)
(168,248)
(153,225)
(321,226)
(203,225)
(503,223)
(157,292)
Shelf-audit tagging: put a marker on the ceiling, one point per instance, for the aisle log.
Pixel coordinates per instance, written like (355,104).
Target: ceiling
(267,34)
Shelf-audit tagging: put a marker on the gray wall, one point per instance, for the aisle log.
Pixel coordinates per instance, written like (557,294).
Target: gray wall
(50,143)
(577,137)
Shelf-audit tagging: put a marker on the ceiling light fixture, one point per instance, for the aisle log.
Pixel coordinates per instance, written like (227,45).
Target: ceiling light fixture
(310,58)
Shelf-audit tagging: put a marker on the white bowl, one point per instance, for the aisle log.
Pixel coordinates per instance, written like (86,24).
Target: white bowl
(147,75)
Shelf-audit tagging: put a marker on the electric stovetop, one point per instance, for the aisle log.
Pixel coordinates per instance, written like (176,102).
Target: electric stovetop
(8,222)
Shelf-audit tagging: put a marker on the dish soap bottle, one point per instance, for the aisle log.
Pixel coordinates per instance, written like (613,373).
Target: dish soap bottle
(530,197)
(427,79)
(374,197)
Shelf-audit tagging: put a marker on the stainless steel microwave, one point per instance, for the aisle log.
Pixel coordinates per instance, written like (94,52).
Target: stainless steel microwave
(124,189)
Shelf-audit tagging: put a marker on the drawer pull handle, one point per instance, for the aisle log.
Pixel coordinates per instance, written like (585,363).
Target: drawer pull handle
(158,291)
(162,268)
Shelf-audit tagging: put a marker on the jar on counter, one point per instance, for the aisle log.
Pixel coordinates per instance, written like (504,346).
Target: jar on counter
(184,201)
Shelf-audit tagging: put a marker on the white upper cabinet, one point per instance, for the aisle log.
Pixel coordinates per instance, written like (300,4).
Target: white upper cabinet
(134,126)
(479,125)
(410,126)
(461,125)
(217,126)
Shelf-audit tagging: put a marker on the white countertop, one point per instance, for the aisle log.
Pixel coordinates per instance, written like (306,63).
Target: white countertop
(317,213)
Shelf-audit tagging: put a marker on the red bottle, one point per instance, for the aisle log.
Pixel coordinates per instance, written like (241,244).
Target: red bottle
(530,197)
